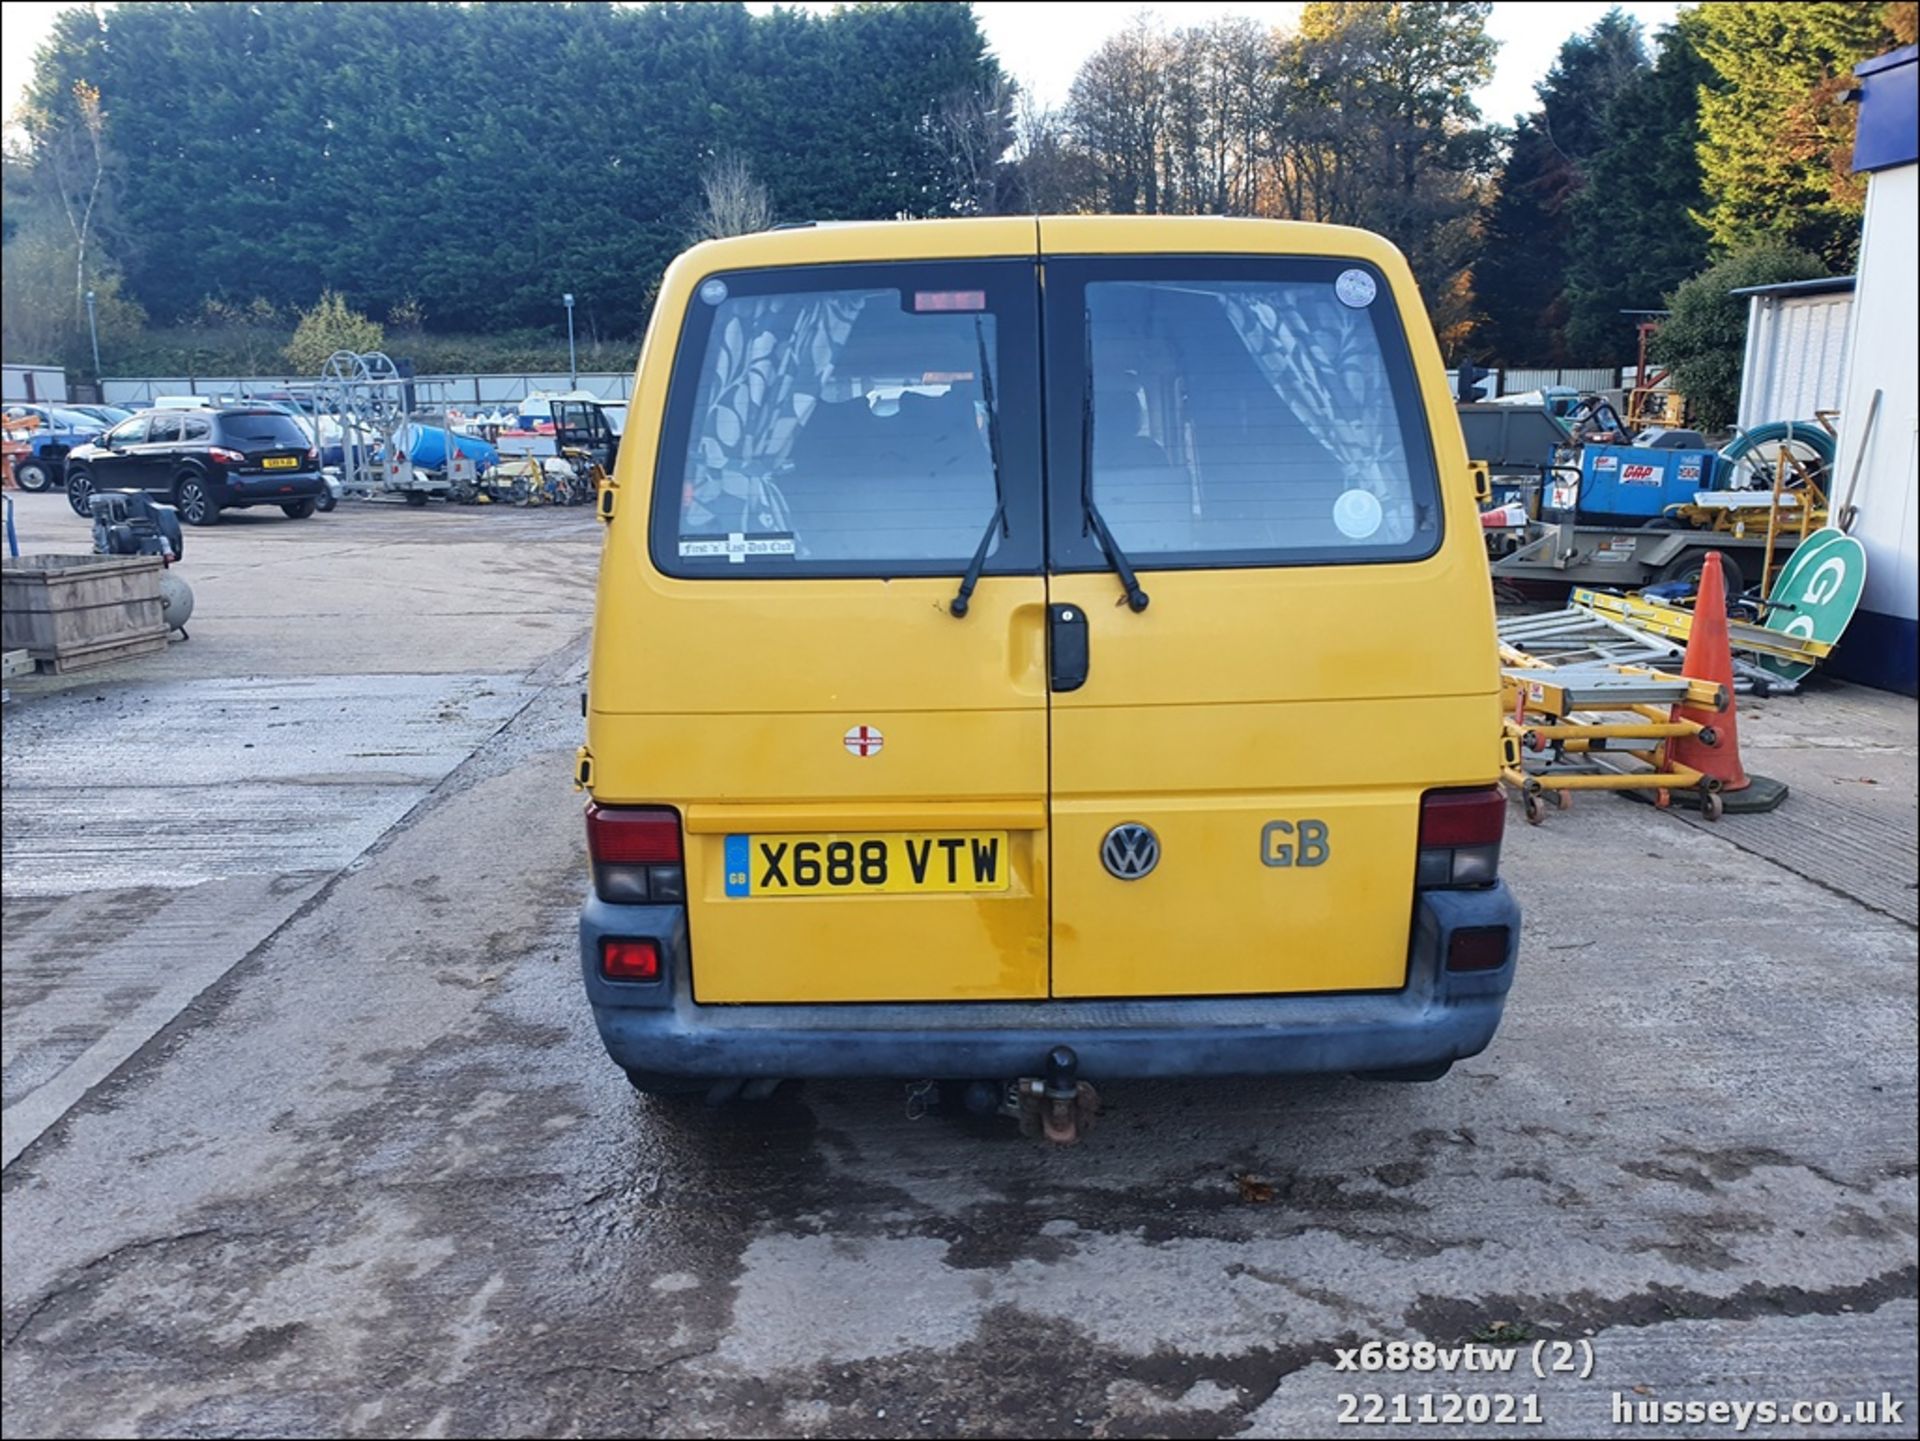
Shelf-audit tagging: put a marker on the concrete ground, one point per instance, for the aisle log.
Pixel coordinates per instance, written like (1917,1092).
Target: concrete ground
(308,1130)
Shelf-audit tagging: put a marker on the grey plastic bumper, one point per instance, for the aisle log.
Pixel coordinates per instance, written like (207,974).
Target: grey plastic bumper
(1438,1016)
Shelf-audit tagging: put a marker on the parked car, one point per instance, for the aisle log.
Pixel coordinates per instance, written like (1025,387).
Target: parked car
(50,432)
(105,414)
(204,462)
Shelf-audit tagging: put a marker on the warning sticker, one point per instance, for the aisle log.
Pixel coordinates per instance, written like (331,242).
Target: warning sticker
(1355,289)
(1636,472)
(735,548)
(1615,551)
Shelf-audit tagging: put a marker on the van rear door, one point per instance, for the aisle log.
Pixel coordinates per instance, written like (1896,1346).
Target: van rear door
(862,776)
(1317,647)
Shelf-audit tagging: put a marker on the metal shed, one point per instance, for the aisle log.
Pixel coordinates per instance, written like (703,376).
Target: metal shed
(1876,474)
(1796,362)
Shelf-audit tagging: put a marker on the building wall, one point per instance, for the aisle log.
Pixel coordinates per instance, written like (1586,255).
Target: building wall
(1796,363)
(1880,646)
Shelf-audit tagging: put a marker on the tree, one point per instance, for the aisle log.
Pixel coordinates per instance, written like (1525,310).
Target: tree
(329,154)
(1220,82)
(1117,115)
(37,318)
(1379,128)
(1633,236)
(1050,173)
(1522,276)
(66,164)
(734,203)
(1704,339)
(329,326)
(1776,126)
(973,128)
(79,182)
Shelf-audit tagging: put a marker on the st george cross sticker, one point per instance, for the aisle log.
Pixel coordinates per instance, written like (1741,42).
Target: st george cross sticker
(864,741)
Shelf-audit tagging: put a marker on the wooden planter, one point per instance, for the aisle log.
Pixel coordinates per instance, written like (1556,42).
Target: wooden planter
(73,611)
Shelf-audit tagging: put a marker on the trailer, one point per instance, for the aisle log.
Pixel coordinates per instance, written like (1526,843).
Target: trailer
(366,403)
(1628,557)
(1650,512)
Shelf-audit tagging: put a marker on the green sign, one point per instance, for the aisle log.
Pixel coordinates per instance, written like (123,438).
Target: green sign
(1816,594)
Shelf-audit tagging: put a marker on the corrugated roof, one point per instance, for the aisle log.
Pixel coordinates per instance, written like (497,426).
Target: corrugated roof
(1829,285)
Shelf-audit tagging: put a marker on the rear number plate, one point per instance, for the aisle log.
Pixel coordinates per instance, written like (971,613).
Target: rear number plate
(280,462)
(897,862)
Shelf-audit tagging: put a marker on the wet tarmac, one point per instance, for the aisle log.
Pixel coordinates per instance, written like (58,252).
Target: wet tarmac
(375,1176)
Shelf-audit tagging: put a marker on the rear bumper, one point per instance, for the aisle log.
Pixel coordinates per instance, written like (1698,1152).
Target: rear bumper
(1438,1016)
(270,489)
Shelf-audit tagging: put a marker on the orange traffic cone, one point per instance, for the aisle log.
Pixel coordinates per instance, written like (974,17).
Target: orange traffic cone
(1710,657)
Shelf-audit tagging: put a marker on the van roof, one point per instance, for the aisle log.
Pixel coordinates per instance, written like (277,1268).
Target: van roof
(989,236)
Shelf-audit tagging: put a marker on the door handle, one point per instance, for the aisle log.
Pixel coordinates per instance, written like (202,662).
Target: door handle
(1067,655)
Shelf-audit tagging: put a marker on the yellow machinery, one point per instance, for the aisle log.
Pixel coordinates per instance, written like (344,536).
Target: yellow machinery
(1549,709)
(1796,506)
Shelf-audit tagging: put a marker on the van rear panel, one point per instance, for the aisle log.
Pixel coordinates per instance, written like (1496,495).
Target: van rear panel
(865,477)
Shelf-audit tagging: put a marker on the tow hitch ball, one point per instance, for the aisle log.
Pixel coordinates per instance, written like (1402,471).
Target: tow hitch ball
(1059,1105)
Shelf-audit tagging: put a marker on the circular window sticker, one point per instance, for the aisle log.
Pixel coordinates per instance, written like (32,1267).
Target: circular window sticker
(1355,288)
(713,291)
(1357,513)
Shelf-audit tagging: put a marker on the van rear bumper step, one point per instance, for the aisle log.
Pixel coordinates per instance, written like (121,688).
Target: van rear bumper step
(1438,1016)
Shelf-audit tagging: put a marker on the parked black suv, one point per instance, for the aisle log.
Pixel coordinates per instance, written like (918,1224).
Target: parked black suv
(203,461)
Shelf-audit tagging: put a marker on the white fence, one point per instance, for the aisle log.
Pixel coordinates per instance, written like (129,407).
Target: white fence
(616,387)
(456,390)
(41,383)
(1519,382)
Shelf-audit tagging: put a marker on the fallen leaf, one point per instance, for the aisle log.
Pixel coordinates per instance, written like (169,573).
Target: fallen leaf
(1254,1189)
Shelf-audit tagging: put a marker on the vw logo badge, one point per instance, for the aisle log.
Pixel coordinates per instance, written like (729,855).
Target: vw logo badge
(1130,851)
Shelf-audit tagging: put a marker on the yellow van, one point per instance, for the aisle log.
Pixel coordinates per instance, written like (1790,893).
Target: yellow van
(1045,649)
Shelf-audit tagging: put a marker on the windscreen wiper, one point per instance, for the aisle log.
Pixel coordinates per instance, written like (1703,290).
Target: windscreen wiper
(958,605)
(1136,597)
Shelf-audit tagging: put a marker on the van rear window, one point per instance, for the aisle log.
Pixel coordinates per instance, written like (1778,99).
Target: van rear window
(260,429)
(845,429)
(1255,419)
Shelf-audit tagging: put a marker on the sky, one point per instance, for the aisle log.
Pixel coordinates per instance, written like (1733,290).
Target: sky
(1042,43)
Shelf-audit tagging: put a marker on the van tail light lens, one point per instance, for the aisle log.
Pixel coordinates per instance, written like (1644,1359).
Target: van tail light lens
(628,960)
(1460,835)
(636,853)
(225,456)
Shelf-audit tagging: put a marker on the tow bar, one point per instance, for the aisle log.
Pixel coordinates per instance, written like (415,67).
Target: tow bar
(1059,1106)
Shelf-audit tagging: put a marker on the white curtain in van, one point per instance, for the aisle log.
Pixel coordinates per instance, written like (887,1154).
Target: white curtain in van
(771,358)
(1323,360)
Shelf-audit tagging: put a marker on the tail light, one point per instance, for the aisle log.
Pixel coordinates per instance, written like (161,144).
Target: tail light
(225,456)
(1460,838)
(636,854)
(629,960)
(1478,948)
(313,456)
